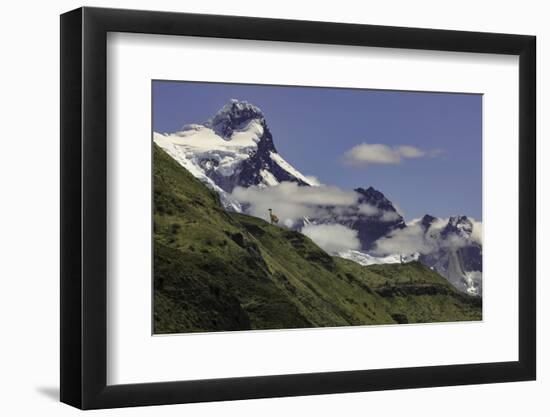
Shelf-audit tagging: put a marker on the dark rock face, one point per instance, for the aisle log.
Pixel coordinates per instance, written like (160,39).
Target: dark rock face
(371,228)
(375,198)
(470,255)
(379,220)
(471,258)
(427,221)
(249,173)
(458,225)
(459,260)
(369,231)
(455,265)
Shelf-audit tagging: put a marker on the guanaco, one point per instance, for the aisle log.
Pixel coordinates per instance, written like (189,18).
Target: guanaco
(274,219)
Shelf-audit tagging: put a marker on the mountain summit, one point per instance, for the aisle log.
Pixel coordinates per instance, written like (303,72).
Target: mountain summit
(234,148)
(234,116)
(371,228)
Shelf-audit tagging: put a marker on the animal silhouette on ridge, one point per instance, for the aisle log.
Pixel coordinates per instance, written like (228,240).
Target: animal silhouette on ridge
(274,219)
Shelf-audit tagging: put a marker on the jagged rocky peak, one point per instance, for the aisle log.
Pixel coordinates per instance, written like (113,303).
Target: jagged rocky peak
(375,198)
(460,225)
(379,219)
(234,148)
(459,221)
(233,116)
(427,221)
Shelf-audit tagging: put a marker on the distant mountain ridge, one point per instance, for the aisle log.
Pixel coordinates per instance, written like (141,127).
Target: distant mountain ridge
(461,263)
(235,148)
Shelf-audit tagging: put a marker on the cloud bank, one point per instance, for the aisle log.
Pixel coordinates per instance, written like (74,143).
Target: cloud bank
(366,154)
(333,238)
(415,238)
(329,205)
(291,202)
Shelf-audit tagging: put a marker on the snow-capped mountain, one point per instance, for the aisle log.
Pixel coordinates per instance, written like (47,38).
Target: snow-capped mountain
(233,148)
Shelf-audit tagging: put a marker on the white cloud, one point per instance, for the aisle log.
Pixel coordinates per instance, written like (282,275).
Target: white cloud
(407,151)
(389,216)
(376,153)
(291,202)
(373,211)
(332,238)
(405,241)
(369,210)
(313,180)
(414,238)
(372,154)
(477,232)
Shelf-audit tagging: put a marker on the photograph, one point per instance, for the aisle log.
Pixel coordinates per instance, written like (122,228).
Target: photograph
(285,207)
(268,209)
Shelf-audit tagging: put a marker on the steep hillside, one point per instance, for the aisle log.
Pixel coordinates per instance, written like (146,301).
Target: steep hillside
(413,293)
(234,153)
(219,271)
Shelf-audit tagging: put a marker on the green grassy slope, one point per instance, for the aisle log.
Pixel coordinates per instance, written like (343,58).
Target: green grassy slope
(216,271)
(413,293)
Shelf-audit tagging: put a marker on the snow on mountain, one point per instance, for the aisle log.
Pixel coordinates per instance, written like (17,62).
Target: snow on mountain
(233,148)
(182,154)
(363,258)
(459,257)
(275,157)
(234,151)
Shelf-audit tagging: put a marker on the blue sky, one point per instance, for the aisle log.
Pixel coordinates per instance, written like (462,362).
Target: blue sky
(313,128)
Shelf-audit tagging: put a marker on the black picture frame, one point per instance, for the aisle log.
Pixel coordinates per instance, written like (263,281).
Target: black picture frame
(84,207)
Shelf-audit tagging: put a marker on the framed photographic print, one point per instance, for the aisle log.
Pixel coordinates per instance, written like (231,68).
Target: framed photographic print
(257,208)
